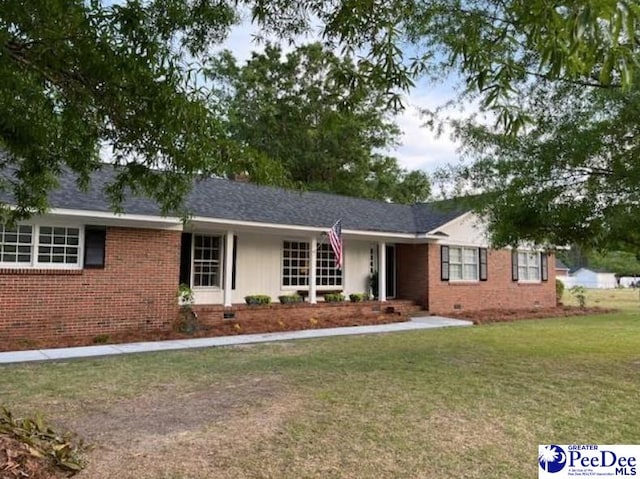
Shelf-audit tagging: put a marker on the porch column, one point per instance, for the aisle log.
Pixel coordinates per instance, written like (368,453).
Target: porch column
(382,271)
(228,269)
(312,270)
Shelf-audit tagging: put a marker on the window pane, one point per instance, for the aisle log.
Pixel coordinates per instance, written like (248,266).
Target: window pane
(295,263)
(206,261)
(470,255)
(455,271)
(15,240)
(455,255)
(327,274)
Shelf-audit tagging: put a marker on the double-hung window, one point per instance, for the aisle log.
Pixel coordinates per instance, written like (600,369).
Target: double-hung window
(16,245)
(206,261)
(327,274)
(40,246)
(460,263)
(528,266)
(58,245)
(463,264)
(296,262)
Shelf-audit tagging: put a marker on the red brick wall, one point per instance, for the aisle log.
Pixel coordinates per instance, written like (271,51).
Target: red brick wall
(412,274)
(135,291)
(498,292)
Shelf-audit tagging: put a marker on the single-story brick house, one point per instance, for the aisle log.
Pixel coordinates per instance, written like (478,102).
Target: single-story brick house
(84,270)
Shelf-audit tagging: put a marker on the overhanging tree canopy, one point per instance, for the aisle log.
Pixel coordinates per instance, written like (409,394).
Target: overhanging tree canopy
(76,75)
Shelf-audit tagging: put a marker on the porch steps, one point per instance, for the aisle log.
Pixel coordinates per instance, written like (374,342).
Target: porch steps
(405,307)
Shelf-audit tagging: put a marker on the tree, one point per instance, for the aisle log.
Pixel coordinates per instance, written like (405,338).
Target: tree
(294,110)
(622,263)
(572,177)
(80,75)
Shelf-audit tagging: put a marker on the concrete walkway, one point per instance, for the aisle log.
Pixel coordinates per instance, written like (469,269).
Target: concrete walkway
(427,322)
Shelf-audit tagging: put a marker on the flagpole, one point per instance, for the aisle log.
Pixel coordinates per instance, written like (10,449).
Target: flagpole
(324,236)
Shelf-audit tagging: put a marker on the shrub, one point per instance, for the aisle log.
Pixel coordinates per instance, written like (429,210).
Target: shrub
(334,297)
(373,283)
(559,290)
(185,295)
(187,319)
(290,299)
(358,297)
(101,339)
(579,293)
(257,299)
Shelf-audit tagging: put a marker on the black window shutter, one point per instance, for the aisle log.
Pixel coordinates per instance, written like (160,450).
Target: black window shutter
(444,263)
(94,246)
(234,260)
(185,259)
(544,267)
(482,253)
(514,265)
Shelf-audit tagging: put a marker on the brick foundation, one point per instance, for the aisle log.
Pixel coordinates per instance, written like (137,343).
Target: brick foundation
(135,290)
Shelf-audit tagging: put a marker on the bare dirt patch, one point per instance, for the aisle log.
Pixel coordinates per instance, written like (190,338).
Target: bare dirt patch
(183,434)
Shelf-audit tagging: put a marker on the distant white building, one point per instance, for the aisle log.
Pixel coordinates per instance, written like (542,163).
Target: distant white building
(588,278)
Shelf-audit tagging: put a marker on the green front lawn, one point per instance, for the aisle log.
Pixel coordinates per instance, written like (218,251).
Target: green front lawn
(453,403)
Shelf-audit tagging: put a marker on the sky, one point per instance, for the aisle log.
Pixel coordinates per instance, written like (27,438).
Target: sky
(420,149)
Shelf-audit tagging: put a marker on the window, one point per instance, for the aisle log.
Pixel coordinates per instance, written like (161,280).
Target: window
(528,266)
(295,263)
(35,246)
(463,264)
(58,245)
(326,272)
(206,261)
(94,246)
(16,244)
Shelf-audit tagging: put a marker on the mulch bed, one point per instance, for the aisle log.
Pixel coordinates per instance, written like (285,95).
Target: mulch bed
(487,316)
(17,462)
(221,328)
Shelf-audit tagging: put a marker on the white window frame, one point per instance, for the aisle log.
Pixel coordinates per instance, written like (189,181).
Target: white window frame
(463,263)
(323,253)
(219,260)
(35,245)
(334,276)
(298,267)
(529,266)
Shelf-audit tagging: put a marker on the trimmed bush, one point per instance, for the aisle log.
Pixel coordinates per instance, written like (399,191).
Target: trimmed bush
(358,297)
(334,297)
(290,299)
(257,299)
(559,290)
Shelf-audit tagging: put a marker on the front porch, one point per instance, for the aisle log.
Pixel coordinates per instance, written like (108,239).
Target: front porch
(223,266)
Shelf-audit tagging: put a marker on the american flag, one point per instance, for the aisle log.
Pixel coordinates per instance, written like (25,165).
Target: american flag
(335,239)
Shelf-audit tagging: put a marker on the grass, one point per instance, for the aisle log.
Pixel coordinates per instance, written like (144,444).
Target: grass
(470,402)
(624,299)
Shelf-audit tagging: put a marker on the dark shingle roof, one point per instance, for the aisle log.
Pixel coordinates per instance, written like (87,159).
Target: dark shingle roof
(225,199)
